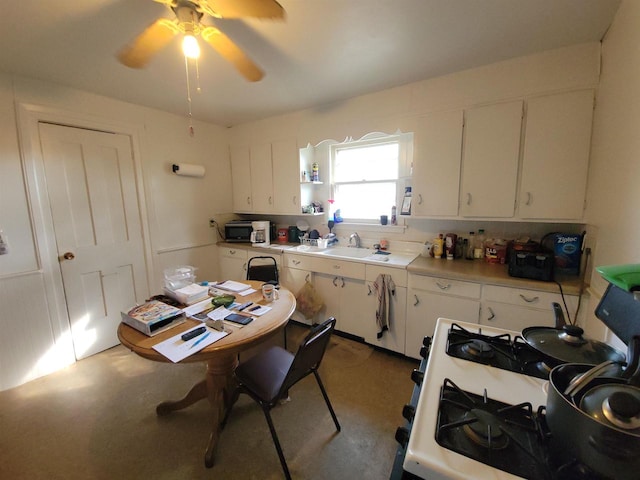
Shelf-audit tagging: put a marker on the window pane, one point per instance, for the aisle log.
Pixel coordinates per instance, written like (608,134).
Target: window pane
(365,200)
(374,162)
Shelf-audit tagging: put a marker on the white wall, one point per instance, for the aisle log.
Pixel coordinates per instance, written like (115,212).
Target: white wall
(613,198)
(176,228)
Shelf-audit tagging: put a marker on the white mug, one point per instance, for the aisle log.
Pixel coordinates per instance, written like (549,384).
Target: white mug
(269,292)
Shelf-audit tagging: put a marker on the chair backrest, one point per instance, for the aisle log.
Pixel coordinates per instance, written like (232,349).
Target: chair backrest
(310,354)
(265,271)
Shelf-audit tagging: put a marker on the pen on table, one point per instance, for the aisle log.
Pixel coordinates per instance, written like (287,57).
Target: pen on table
(200,339)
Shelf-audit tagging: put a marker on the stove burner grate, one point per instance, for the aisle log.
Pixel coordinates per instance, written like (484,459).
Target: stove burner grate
(507,437)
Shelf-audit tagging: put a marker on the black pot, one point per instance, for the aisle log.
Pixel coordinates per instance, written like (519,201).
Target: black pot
(608,443)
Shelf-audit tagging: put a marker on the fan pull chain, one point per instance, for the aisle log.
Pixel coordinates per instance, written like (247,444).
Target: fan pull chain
(186,67)
(198,89)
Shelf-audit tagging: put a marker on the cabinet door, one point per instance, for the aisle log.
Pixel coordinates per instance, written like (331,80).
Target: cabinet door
(241,179)
(286,177)
(436,164)
(490,160)
(394,339)
(423,311)
(352,304)
(327,288)
(261,178)
(293,280)
(556,156)
(233,268)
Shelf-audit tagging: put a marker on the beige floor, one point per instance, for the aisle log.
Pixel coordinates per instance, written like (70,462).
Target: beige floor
(96,420)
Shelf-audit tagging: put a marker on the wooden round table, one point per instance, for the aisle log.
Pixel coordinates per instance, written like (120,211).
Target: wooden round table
(221,357)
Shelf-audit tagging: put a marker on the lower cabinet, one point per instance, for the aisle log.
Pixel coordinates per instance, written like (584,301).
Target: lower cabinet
(233,263)
(517,308)
(429,298)
(343,299)
(296,270)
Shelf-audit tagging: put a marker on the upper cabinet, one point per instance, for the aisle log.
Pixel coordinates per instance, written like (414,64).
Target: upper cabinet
(265,178)
(490,160)
(556,156)
(436,164)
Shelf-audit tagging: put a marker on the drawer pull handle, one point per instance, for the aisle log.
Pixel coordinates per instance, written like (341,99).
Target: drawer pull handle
(369,287)
(270,202)
(244,266)
(529,199)
(294,199)
(492,315)
(337,267)
(296,262)
(335,279)
(248,200)
(443,287)
(468,199)
(415,304)
(232,252)
(529,300)
(306,279)
(342,278)
(419,199)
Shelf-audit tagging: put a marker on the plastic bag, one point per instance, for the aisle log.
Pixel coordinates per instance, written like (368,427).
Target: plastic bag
(308,300)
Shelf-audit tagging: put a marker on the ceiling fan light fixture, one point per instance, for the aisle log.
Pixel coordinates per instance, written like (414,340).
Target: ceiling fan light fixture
(190,46)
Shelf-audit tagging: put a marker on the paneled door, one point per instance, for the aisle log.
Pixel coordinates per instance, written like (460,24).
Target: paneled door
(91,186)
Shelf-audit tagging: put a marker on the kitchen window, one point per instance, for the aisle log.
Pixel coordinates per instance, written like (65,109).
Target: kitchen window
(365,176)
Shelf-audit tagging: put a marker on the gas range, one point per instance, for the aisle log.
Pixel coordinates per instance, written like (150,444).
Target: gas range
(478,411)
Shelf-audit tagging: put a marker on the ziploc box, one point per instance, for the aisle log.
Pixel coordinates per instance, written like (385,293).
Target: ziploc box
(567,249)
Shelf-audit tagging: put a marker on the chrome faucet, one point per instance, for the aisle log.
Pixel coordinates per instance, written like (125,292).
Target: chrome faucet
(356,237)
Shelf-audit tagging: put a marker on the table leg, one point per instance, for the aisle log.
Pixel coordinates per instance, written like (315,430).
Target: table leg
(197,393)
(219,391)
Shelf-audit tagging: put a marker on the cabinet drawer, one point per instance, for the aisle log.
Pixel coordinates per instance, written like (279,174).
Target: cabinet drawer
(516,318)
(521,297)
(399,275)
(338,267)
(233,252)
(445,286)
(301,262)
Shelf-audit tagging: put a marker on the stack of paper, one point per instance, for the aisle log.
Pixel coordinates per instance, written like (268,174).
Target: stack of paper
(190,294)
(232,286)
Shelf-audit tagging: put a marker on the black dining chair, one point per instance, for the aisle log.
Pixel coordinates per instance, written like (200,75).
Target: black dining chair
(265,269)
(268,376)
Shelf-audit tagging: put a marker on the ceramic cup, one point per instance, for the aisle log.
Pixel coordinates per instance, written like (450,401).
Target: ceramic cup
(269,292)
(384,219)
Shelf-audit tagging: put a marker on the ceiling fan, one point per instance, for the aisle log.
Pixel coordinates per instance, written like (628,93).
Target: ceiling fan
(187,22)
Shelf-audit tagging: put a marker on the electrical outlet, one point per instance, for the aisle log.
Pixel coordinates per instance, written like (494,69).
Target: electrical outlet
(212,223)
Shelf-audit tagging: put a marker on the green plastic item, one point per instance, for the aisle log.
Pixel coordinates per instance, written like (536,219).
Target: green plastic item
(627,277)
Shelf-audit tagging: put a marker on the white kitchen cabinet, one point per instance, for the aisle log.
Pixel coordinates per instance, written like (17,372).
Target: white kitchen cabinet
(296,270)
(429,298)
(490,156)
(261,178)
(233,263)
(285,162)
(241,179)
(341,285)
(436,164)
(517,308)
(556,156)
(394,338)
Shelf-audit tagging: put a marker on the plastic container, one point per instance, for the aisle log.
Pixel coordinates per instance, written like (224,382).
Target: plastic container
(478,249)
(179,277)
(471,245)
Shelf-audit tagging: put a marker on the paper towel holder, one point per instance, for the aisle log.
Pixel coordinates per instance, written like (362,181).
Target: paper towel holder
(188,170)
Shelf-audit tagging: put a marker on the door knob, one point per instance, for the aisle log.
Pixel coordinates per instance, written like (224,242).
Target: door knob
(68,256)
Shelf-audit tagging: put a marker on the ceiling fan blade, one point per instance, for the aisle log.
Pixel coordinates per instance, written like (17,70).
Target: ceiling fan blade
(243,8)
(154,38)
(230,51)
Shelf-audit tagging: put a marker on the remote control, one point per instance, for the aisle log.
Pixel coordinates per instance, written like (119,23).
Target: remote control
(243,306)
(193,333)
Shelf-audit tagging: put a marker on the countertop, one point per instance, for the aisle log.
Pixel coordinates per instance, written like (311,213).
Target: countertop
(488,273)
(460,269)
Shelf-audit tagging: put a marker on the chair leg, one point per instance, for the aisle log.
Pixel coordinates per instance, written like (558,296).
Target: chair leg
(234,398)
(326,399)
(274,435)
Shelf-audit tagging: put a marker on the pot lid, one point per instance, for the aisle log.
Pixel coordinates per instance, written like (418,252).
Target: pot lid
(616,405)
(567,344)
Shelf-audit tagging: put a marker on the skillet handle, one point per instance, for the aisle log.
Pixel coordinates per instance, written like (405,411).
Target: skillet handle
(559,314)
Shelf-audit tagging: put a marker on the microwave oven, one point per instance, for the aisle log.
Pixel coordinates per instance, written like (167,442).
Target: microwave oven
(239,231)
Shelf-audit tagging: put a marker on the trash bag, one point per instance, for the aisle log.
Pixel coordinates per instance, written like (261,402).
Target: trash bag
(308,300)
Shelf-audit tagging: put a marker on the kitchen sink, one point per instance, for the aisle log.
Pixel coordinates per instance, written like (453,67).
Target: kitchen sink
(346,252)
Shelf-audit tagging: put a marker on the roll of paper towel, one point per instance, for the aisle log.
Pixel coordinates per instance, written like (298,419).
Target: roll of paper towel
(188,170)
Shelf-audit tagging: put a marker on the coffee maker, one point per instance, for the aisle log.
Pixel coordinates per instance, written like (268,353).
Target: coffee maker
(261,234)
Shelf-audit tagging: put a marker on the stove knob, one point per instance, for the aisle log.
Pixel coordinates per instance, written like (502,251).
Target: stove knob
(426,347)
(408,412)
(402,436)
(417,376)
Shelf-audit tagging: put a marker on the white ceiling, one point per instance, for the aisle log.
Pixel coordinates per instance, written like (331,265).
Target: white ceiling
(325,51)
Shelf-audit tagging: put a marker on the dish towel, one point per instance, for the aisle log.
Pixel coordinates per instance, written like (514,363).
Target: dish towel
(385,289)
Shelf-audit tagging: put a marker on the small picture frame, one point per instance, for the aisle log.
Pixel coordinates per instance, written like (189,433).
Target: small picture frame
(406,205)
